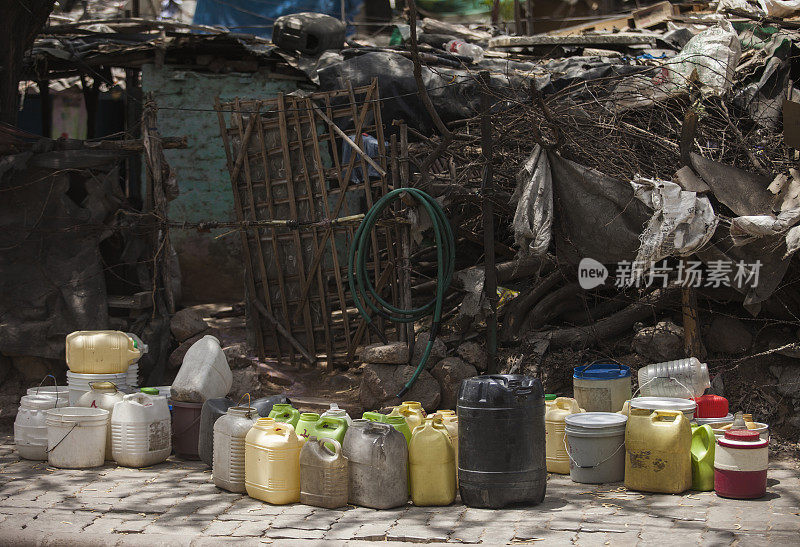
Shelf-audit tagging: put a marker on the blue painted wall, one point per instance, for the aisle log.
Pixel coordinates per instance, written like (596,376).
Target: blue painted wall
(211,266)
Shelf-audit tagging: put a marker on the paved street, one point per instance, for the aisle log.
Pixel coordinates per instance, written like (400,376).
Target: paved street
(176,503)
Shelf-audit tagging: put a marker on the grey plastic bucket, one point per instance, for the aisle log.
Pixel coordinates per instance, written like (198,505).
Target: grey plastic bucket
(596,446)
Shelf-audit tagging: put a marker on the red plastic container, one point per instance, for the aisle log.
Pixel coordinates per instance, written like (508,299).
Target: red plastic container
(711,406)
(186,429)
(740,465)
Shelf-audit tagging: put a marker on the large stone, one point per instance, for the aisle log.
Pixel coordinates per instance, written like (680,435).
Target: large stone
(438,351)
(268,374)
(727,335)
(246,380)
(474,354)
(449,372)
(5,367)
(395,353)
(380,385)
(187,323)
(176,357)
(659,343)
(238,355)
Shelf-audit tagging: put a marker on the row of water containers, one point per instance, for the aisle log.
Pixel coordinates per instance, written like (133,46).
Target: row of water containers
(655,443)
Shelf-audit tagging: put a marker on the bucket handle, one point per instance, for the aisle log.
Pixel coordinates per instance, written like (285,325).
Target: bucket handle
(598,464)
(689,391)
(55,383)
(656,414)
(249,414)
(74,425)
(337,446)
(602,361)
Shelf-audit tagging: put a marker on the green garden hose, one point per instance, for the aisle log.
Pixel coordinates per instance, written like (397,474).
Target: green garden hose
(363,290)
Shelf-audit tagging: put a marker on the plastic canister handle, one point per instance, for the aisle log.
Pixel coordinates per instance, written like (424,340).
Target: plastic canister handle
(658,414)
(567,403)
(337,446)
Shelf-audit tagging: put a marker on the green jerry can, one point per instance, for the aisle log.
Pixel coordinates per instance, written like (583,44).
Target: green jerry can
(285,413)
(373,416)
(703,445)
(332,427)
(400,424)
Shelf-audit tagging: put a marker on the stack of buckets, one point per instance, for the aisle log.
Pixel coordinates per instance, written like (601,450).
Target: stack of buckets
(102,356)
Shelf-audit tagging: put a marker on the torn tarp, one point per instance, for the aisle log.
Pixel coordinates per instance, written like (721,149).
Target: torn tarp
(533,218)
(682,221)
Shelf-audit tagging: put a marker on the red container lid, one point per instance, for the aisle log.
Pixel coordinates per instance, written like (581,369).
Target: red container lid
(743,438)
(711,406)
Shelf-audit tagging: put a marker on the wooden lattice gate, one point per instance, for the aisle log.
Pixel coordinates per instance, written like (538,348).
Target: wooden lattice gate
(292,173)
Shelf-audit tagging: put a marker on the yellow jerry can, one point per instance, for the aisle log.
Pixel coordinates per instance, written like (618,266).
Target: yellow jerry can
(272,462)
(658,455)
(413,413)
(432,464)
(555,437)
(101,351)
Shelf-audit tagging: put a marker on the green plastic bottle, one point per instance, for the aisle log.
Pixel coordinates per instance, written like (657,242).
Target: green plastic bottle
(373,416)
(400,424)
(703,446)
(285,413)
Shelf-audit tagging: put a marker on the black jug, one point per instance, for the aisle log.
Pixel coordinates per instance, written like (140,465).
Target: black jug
(264,404)
(501,441)
(212,410)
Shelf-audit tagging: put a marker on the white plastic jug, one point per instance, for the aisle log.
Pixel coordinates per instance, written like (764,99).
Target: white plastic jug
(337,412)
(230,431)
(204,374)
(685,378)
(102,395)
(30,430)
(140,430)
(76,437)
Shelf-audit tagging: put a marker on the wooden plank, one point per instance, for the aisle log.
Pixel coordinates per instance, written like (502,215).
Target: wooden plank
(651,16)
(237,203)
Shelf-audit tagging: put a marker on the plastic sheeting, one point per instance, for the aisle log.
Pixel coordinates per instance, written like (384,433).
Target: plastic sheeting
(533,218)
(257,17)
(682,221)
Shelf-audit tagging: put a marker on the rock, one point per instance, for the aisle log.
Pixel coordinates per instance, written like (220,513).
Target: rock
(380,385)
(268,374)
(35,368)
(237,356)
(395,353)
(717,385)
(187,323)
(449,372)
(245,381)
(438,352)
(659,343)
(176,357)
(727,335)
(474,354)
(788,383)
(5,367)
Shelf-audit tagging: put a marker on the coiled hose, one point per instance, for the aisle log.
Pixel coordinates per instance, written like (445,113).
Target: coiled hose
(363,290)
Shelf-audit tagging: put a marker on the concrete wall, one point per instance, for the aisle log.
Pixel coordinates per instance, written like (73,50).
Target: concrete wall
(212,268)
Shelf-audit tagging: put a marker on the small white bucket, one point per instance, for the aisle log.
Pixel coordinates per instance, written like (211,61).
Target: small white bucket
(596,446)
(76,437)
(79,383)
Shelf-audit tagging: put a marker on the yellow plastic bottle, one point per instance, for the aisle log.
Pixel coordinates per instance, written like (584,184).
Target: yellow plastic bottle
(101,351)
(413,413)
(658,449)
(432,465)
(272,462)
(555,436)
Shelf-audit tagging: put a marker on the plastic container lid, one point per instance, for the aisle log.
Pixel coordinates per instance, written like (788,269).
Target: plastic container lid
(602,371)
(596,420)
(550,396)
(663,403)
(711,406)
(150,390)
(743,438)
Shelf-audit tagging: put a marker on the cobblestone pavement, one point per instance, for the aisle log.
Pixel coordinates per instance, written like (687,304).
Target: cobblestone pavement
(176,503)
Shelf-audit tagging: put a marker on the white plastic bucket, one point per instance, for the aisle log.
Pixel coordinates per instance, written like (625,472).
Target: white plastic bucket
(687,406)
(30,429)
(602,387)
(56,392)
(596,446)
(76,437)
(79,383)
